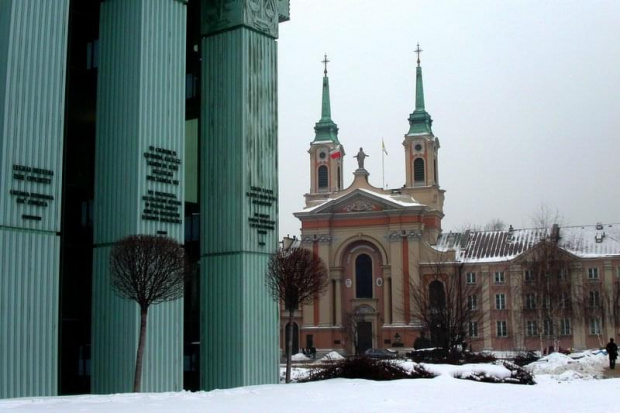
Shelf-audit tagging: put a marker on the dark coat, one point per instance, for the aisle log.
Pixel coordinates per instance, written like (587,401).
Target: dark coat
(612,350)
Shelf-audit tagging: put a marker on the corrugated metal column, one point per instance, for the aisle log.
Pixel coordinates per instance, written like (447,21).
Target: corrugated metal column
(138,182)
(33,54)
(239,198)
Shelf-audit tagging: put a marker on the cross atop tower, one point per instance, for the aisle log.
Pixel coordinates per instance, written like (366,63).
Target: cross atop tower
(325,62)
(418,51)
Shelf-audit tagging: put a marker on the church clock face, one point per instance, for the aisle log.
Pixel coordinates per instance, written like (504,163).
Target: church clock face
(322,154)
(418,147)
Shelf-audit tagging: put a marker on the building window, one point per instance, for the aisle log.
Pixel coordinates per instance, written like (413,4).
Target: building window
(529,275)
(618,271)
(500,301)
(563,273)
(531,328)
(499,277)
(502,330)
(595,326)
(363,276)
(548,327)
(191,85)
(472,302)
(473,329)
(595,299)
(323,177)
(92,54)
(546,301)
(565,327)
(530,301)
(592,273)
(471,278)
(564,300)
(418,171)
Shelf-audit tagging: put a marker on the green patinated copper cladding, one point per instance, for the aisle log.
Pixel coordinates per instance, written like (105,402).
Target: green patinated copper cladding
(419,121)
(239,201)
(139,182)
(33,56)
(326,129)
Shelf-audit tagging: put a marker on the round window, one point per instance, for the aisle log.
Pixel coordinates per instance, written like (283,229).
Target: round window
(418,147)
(322,155)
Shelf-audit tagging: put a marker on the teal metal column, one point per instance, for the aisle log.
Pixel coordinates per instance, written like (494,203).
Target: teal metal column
(33,54)
(139,177)
(239,197)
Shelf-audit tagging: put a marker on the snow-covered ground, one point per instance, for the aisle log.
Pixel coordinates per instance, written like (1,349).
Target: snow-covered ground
(564,385)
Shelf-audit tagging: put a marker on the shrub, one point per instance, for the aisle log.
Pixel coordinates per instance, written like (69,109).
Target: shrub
(518,375)
(439,356)
(525,358)
(366,368)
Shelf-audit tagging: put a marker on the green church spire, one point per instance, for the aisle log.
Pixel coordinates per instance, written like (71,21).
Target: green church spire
(419,121)
(326,129)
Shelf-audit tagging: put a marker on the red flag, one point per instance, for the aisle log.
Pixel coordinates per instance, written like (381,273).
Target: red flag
(335,153)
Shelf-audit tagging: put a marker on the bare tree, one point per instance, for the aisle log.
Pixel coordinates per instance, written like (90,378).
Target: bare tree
(149,270)
(295,277)
(495,224)
(448,304)
(551,299)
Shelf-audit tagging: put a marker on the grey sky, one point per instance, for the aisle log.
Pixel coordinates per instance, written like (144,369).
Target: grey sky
(525,98)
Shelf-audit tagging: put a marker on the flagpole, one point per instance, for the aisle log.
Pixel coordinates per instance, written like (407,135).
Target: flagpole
(383,163)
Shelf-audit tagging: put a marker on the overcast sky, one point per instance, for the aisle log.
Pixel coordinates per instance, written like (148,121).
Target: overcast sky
(524,95)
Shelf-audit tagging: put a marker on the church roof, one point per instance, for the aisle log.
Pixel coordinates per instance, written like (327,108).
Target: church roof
(588,241)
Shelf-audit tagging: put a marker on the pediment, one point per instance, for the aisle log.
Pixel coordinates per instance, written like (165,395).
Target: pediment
(360,201)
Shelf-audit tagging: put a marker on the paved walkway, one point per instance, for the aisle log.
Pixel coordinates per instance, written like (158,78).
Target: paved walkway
(609,373)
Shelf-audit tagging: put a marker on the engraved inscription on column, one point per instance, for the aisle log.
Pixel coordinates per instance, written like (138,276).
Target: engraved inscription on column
(262,214)
(32,187)
(162,168)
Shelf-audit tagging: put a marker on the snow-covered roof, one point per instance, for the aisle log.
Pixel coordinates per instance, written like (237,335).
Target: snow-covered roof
(588,241)
(396,199)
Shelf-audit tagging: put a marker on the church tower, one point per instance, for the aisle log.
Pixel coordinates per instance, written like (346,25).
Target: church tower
(421,151)
(326,152)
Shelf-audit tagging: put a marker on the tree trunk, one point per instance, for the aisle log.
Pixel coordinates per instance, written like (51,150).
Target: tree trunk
(137,382)
(289,345)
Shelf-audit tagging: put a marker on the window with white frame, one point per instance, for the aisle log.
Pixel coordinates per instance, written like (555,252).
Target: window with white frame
(529,275)
(565,329)
(547,326)
(499,277)
(500,301)
(595,326)
(531,328)
(502,329)
(595,299)
(593,273)
(471,278)
(473,329)
(472,302)
(530,301)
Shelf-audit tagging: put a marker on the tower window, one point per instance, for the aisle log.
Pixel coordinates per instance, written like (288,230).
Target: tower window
(418,171)
(323,177)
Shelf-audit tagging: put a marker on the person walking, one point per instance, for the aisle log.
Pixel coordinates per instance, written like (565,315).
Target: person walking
(612,352)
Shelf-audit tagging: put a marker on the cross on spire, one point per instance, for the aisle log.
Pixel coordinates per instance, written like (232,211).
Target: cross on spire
(325,62)
(418,51)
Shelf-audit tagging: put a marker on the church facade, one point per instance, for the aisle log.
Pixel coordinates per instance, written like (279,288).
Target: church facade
(395,278)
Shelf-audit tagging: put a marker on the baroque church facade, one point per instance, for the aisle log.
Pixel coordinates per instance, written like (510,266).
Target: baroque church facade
(395,277)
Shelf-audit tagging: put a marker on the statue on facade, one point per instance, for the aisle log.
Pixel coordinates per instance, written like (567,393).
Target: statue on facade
(360,158)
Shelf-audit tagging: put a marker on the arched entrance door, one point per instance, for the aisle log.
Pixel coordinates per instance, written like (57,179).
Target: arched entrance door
(295,347)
